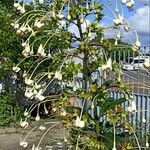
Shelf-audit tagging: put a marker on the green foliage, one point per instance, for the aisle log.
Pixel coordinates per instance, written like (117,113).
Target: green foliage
(9,42)
(9,111)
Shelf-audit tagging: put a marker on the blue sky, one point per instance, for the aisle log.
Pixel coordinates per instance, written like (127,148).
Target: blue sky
(139,18)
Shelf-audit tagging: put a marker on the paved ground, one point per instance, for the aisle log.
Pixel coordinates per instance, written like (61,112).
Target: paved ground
(10,137)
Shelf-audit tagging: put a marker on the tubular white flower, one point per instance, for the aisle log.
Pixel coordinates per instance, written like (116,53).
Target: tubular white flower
(24,124)
(18,31)
(16,5)
(119,20)
(130,4)
(58,75)
(147,144)
(132,107)
(79,123)
(60,16)
(16,25)
(27,48)
(22,11)
(41,2)
(23,28)
(42,128)
(37,118)
(92,106)
(25,54)
(39,95)
(16,69)
(108,65)
(26,113)
(124,1)
(41,51)
(68,17)
(24,144)
(38,24)
(127,27)
(74,88)
(45,110)
(19,8)
(28,93)
(116,42)
(33,147)
(37,86)
(29,81)
(138,43)
(63,113)
(54,109)
(23,44)
(143,120)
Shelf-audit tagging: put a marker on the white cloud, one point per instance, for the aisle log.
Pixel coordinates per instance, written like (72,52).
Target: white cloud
(141,19)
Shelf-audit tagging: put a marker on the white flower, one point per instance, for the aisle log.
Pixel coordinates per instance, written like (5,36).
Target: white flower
(23,10)
(65,140)
(37,118)
(42,128)
(37,86)
(23,28)
(23,44)
(79,123)
(16,5)
(33,147)
(28,93)
(54,109)
(92,106)
(41,51)
(124,1)
(116,21)
(12,24)
(26,113)
(114,148)
(134,48)
(19,8)
(137,43)
(28,81)
(24,144)
(119,20)
(16,25)
(25,54)
(58,75)
(39,95)
(38,24)
(18,31)
(41,2)
(63,113)
(143,120)
(24,74)
(116,42)
(132,107)
(16,69)
(60,16)
(24,124)
(127,27)
(27,48)
(130,4)
(147,144)
(68,17)
(107,65)
(74,88)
